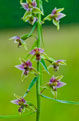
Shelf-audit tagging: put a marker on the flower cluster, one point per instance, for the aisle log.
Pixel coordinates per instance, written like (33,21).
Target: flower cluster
(31,11)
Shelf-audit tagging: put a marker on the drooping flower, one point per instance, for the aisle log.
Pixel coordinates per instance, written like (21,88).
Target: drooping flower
(57,63)
(26,67)
(18,40)
(57,15)
(56,83)
(21,102)
(37,52)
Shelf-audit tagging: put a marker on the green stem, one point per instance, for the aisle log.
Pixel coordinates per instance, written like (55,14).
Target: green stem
(38,64)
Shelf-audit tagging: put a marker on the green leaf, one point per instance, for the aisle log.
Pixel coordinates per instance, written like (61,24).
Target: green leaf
(34,44)
(44,64)
(56,23)
(37,11)
(61,101)
(14,116)
(31,85)
(33,28)
(26,36)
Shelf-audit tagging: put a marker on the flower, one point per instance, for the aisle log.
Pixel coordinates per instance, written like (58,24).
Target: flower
(57,63)
(56,83)
(21,102)
(32,20)
(26,67)
(18,40)
(37,52)
(29,6)
(57,15)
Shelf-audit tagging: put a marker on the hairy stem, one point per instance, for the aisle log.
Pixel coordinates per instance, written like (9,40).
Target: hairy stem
(38,65)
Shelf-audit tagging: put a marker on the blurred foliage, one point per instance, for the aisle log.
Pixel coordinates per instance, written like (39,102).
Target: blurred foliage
(11,12)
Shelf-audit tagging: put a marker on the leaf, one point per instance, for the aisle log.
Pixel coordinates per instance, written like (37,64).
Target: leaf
(44,64)
(31,85)
(26,36)
(14,116)
(27,56)
(61,101)
(33,28)
(56,23)
(34,44)
(37,11)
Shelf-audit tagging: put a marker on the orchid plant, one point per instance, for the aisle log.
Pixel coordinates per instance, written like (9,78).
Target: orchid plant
(33,15)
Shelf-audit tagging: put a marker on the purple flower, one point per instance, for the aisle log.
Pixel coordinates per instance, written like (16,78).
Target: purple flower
(57,63)
(18,40)
(26,67)
(25,6)
(57,15)
(32,19)
(21,102)
(56,83)
(37,52)
(29,6)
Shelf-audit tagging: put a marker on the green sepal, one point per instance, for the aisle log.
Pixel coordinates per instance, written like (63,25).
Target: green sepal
(37,11)
(49,18)
(26,15)
(59,10)
(46,0)
(59,77)
(56,23)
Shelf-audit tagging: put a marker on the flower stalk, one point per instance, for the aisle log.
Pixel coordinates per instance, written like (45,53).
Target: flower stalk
(38,64)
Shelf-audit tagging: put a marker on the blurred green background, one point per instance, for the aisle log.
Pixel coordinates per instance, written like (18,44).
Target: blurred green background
(60,45)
